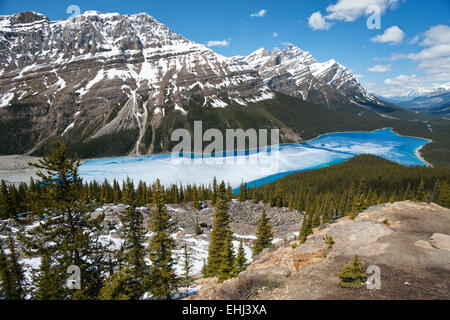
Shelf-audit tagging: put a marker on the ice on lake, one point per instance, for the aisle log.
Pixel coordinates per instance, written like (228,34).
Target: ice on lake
(259,167)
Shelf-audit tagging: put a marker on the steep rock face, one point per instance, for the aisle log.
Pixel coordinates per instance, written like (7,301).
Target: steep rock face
(101,74)
(296,72)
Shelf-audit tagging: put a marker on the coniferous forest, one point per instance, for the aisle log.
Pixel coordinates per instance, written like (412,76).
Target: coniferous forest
(66,236)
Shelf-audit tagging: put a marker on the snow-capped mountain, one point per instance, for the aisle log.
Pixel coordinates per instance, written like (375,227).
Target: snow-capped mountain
(297,73)
(112,84)
(87,68)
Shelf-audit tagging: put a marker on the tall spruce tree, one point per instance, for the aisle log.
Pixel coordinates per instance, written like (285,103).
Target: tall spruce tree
(164,281)
(12,279)
(187,265)
(226,268)
(264,235)
(214,192)
(220,243)
(242,193)
(5,203)
(277,200)
(66,235)
(132,255)
(420,194)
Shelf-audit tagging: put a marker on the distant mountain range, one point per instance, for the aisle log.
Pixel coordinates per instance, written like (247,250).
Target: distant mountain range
(112,84)
(434,101)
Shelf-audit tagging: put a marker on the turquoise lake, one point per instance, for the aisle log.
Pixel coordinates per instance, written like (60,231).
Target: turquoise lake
(258,167)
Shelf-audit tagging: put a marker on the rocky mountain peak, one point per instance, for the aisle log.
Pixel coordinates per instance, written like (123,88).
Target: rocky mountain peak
(108,73)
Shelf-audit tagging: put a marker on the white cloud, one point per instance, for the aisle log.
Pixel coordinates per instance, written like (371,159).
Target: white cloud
(438,69)
(436,35)
(400,80)
(380,68)
(259,14)
(437,51)
(391,35)
(218,43)
(414,40)
(348,11)
(318,22)
(275,34)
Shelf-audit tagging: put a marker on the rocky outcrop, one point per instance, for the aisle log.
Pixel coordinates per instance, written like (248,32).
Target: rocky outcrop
(389,236)
(440,241)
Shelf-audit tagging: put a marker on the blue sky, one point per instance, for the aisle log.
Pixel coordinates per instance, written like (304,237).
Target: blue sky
(412,49)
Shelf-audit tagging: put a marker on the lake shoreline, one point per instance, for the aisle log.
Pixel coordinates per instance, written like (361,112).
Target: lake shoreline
(14,169)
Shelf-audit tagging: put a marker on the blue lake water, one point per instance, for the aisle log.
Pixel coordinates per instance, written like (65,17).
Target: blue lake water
(258,167)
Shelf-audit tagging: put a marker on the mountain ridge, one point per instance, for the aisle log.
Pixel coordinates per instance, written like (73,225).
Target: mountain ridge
(128,80)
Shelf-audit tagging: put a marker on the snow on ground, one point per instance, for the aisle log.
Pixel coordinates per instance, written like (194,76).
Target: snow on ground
(6,99)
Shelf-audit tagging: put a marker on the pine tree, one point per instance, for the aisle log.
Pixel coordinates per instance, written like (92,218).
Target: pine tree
(49,286)
(220,236)
(12,278)
(132,254)
(16,273)
(420,195)
(330,242)
(117,286)
(117,194)
(164,281)
(353,275)
(5,205)
(277,200)
(264,235)
(67,234)
(198,229)
(306,228)
(229,194)
(226,269)
(241,260)
(242,193)
(187,265)
(214,192)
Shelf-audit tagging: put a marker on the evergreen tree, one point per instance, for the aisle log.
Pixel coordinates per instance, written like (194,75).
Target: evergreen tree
(187,265)
(220,243)
(117,286)
(198,229)
(353,274)
(241,260)
(67,234)
(5,205)
(420,195)
(277,200)
(16,273)
(132,255)
(264,235)
(229,194)
(49,286)
(242,193)
(226,269)
(164,281)
(306,228)
(214,192)
(12,278)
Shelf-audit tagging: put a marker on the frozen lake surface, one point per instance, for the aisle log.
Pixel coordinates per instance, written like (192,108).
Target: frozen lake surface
(258,167)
